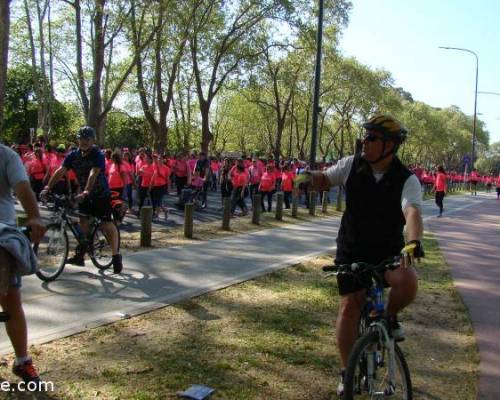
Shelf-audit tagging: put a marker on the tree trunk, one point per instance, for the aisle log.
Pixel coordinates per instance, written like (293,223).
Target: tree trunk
(206,135)
(4,51)
(95,104)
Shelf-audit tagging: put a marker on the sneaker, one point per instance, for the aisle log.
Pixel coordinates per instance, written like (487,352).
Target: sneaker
(340,386)
(398,332)
(117,263)
(26,371)
(77,259)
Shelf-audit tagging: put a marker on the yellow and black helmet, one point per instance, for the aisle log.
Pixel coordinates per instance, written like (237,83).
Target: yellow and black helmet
(389,126)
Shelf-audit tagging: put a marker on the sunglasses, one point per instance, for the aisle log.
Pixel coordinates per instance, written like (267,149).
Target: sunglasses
(369,137)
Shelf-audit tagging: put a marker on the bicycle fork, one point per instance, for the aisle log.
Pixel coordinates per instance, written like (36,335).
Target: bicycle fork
(374,359)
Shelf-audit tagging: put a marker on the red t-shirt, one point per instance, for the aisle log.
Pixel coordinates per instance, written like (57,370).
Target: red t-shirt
(114,176)
(181,168)
(36,169)
(287,181)
(239,179)
(267,182)
(440,182)
(162,172)
(146,171)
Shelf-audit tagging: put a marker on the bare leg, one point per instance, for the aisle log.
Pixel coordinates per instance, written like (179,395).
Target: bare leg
(348,323)
(404,286)
(110,232)
(16,327)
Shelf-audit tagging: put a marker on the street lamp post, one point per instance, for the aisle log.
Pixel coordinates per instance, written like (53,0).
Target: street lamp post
(317,79)
(475,100)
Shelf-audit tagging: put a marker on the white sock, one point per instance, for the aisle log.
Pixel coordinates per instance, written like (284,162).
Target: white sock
(21,360)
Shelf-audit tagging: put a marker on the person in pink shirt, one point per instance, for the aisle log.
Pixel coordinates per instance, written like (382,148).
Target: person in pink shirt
(474,179)
(36,172)
(255,172)
(116,174)
(160,183)
(128,169)
(498,187)
(489,183)
(267,187)
(182,172)
(439,188)
(146,172)
(61,187)
(239,181)
(215,167)
(287,184)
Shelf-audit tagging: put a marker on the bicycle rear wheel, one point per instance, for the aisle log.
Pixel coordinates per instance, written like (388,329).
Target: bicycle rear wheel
(51,253)
(369,354)
(100,251)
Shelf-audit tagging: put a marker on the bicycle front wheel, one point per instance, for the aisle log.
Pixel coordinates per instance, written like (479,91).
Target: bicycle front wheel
(51,253)
(367,373)
(100,250)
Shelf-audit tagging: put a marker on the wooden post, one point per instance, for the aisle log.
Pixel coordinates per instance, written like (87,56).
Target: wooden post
(324,209)
(188,220)
(279,206)
(339,199)
(256,208)
(312,203)
(226,213)
(295,205)
(21,219)
(146,225)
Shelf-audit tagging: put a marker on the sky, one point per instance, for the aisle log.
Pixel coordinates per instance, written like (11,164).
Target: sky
(404,36)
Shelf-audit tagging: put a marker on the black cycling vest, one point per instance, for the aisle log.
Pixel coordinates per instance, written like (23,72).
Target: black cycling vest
(373,222)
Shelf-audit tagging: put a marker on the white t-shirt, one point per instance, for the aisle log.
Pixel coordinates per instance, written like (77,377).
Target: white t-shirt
(12,172)
(412,191)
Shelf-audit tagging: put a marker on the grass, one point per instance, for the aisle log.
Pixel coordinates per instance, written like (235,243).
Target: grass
(269,338)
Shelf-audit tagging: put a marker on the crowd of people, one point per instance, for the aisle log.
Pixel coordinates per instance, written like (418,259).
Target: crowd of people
(142,176)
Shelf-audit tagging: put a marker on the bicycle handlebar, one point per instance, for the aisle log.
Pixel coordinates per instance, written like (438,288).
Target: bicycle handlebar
(361,267)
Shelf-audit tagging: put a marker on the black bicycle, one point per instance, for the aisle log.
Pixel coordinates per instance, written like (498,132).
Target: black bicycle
(52,251)
(376,368)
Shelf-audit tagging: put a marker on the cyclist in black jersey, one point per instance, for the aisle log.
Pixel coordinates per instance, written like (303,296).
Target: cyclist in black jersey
(95,200)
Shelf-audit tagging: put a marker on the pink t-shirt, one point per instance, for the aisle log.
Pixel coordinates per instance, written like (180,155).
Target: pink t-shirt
(146,171)
(114,176)
(287,181)
(268,182)
(162,173)
(440,182)
(197,182)
(127,170)
(255,174)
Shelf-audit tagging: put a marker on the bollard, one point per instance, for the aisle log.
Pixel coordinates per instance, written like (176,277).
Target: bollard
(256,208)
(295,205)
(21,219)
(188,220)
(312,203)
(339,200)
(324,209)
(226,213)
(146,225)
(279,206)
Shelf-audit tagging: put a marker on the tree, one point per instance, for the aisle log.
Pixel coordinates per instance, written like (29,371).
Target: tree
(4,52)
(105,20)
(166,53)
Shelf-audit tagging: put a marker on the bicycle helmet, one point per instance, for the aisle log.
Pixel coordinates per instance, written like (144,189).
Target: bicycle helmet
(86,132)
(391,129)
(389,126)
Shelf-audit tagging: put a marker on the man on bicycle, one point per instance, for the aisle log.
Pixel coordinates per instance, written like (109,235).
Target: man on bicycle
(13,177)
(382,196)
(95,200)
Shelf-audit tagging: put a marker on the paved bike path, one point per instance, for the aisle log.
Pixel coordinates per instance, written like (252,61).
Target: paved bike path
(82,297)
(470,242)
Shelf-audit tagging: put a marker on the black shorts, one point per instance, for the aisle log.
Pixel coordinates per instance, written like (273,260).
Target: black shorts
(97,207)
(349,284)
